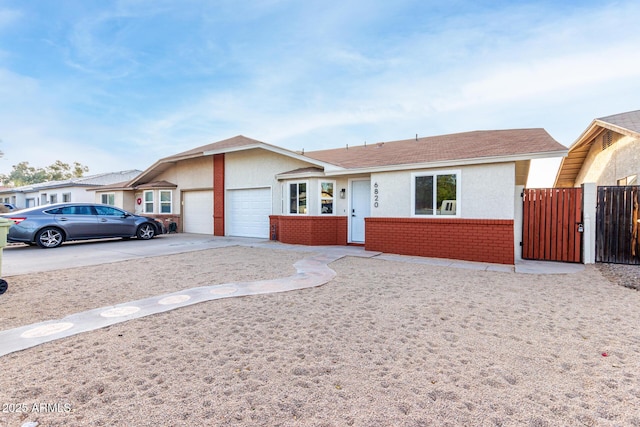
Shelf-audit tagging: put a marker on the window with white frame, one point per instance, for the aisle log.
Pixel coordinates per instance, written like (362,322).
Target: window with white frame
(435,194)
(53,198)
(327,197)
(66,197)
(148,201)
(165,201)
(108,199)
(298,198)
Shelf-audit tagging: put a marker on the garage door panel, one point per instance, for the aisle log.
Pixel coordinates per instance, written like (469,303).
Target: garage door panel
(249,211)
(198,212)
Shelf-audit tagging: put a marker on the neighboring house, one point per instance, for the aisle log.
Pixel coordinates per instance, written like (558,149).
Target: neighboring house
(69,190)
(451,196)
(605,162)
(607,153)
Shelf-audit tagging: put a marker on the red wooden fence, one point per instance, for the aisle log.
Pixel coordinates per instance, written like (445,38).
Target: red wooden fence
(551,228)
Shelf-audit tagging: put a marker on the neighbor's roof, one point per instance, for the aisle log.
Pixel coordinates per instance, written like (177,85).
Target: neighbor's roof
(520,144)
(97,180)
(623,123)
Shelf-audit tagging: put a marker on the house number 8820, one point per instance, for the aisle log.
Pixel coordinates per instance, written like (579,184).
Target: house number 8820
(376,195)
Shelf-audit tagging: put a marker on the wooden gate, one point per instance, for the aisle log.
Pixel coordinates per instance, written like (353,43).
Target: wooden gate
(552,224)
(617,225)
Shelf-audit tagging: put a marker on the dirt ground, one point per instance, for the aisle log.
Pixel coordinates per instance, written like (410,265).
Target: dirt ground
(385,343)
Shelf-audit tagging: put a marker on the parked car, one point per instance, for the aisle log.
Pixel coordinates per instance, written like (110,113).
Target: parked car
(50,225)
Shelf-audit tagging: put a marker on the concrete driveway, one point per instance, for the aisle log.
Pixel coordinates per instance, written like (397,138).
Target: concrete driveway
(22,259)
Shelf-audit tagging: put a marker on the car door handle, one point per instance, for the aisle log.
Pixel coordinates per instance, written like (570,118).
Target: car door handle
(64,218)
(103,220)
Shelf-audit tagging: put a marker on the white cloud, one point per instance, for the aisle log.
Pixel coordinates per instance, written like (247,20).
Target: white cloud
(308,75)
(9,17)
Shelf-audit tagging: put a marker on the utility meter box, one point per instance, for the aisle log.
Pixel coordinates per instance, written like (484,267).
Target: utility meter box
(5,224)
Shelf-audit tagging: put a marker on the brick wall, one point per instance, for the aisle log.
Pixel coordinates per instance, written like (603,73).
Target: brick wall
(465,239)
(309,230)
(218,194)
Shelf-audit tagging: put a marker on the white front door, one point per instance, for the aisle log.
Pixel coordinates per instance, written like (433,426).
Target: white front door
(360,208)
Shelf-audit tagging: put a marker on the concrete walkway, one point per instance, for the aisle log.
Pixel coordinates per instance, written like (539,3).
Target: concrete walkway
(311,271)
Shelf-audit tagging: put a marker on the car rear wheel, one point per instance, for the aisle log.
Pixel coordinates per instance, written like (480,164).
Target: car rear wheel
(146,232)
(49,237)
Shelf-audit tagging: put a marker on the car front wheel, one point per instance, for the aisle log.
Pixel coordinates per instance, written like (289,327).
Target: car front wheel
(49,238)
(146,232)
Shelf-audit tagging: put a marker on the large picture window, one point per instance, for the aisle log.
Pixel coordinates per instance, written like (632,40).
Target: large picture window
(326,197)
(435,194)
(298,198)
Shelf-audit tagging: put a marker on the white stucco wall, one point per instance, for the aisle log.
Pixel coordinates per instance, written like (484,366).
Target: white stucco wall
(258,168)
(486,191)
(606,167)
(123,199)
(77,194)
(191,174)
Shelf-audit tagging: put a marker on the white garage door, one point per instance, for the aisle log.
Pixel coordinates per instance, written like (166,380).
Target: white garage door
(198,212)
(248,212)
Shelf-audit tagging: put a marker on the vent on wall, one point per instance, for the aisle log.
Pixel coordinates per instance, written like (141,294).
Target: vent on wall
(607,140)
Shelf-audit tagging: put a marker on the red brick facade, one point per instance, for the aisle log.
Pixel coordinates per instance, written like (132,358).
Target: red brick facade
(309,230)
(218,194)
(465,239)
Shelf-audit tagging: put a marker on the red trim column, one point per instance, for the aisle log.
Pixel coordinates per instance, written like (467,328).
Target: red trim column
(218,194)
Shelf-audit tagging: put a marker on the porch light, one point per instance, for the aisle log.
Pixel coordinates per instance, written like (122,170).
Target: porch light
(342,193)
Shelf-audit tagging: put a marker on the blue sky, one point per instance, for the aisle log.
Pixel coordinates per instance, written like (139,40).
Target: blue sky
(119,84)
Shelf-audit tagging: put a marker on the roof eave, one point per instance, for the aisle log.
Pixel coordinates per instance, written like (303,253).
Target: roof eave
(153,168)
(618,129)
(299,175)
(451,163)
(282,151)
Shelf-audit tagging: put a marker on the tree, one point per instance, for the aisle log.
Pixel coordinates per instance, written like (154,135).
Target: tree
(24,174)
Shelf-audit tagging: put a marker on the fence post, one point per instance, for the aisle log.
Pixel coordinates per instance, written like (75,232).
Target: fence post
(517,224)
(589,201)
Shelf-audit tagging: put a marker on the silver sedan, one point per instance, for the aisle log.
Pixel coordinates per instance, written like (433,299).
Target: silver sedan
(50,225)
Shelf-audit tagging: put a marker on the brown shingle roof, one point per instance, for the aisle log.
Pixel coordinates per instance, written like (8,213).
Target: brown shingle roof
(225,144)
(459,146)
